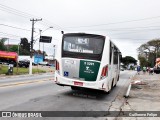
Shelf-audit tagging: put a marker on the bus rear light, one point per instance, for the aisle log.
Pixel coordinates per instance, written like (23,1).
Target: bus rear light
(57,65)
(104,72)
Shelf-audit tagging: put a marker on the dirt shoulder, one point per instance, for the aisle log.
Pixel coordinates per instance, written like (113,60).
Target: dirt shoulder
(45,68)
(144,96)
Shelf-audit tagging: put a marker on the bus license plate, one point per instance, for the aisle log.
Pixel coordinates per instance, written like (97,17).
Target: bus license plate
(78,83)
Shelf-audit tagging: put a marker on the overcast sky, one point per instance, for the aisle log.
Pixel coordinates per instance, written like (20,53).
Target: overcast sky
(129,23)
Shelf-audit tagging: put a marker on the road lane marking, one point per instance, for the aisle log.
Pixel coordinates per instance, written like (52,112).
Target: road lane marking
(24,83)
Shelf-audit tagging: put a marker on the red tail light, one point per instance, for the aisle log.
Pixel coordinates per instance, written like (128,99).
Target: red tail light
(104,71)
(57,65)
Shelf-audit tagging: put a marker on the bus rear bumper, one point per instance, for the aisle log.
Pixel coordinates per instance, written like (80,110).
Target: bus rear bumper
(64,81)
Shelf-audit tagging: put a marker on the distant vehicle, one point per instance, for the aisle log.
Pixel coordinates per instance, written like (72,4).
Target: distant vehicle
(33,63)
(121,68)
(24,63)
(50,65)
(43,63)
(87,61)
(8,57)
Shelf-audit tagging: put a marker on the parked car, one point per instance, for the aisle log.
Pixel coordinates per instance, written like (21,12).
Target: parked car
(24,63)
(33,63)
(43,63)
(50,65)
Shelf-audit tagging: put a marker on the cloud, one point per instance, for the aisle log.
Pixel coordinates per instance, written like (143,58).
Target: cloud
(105,17)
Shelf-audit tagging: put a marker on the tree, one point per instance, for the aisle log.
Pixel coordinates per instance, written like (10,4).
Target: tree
(2,46)
(143,61)
(155,44)
(149,51)
(128,60)
(24,47)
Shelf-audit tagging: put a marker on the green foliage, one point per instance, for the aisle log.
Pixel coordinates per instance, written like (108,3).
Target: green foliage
(2,46)
(128,59)
(24,52)
(4,70)
(143,61)
(13,48)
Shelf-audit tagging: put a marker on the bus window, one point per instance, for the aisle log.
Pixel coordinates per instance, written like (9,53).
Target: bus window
(83,46)
(115,56)
(110,57)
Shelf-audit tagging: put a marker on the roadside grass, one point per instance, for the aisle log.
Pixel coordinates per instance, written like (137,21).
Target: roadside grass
(19,71)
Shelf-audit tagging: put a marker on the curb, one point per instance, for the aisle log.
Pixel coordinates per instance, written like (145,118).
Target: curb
(129,87)
(25,75)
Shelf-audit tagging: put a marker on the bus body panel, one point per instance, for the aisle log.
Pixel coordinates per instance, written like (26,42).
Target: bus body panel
(64,81)
(84,70)
(73,73)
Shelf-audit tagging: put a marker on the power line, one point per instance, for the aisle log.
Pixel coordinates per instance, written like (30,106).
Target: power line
(14,27)
(136,20)
(127,28)
(11,34)
(26,15)
(130,32)
(48,23)
(131,38)
(15,11)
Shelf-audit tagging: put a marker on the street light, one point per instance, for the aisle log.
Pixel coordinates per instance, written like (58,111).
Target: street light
(54,46)
(33,21)
(40,36)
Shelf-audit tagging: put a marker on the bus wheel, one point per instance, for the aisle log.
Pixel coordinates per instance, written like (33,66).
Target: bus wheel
(74,88)
(112,85)
(115,85)
(118,78)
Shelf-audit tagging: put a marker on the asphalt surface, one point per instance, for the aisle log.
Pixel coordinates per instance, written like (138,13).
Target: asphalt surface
(44,95)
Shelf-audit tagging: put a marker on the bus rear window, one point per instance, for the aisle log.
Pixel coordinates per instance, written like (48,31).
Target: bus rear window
(82,44)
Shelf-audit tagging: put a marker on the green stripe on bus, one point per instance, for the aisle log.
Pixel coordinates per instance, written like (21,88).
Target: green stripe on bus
(88,70)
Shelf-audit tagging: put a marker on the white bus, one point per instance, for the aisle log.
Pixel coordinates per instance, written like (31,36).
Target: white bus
(88,61)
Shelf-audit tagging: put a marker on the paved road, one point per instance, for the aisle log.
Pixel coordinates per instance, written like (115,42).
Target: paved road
(44,95)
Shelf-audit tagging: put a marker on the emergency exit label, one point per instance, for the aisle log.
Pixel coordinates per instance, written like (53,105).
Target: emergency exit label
(89,70)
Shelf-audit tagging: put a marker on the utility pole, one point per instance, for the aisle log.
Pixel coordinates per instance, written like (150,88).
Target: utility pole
(31,44)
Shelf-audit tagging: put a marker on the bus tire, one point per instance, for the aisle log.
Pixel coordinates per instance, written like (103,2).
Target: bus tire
(112,84)
(108,92)
(115,85)
(118,78)
(116,82)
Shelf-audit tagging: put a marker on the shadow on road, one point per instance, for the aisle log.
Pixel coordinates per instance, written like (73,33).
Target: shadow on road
(89,93)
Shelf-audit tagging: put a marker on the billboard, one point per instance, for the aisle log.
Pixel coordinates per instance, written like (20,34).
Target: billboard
(38,58)
(45,39)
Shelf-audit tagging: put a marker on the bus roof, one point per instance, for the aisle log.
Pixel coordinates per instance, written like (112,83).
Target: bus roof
(83,34)
(88,34)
